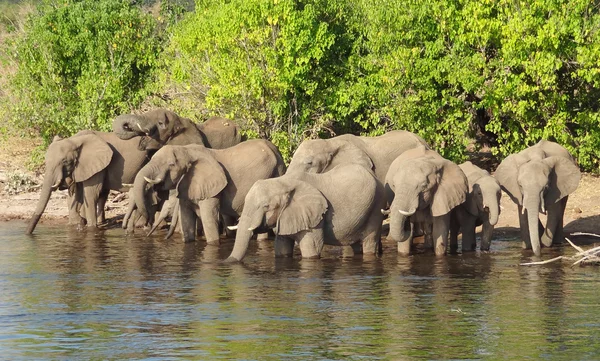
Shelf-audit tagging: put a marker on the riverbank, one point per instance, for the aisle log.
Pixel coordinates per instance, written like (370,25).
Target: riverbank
(19,193)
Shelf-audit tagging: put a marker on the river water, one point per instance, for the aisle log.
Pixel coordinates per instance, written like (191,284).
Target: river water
(102,295)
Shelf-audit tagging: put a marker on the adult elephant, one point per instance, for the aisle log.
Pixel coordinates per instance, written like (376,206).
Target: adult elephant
(209,182)
(540,179)
(161,126)
(89,164)
(423,187)
(313,210)
(482,207)
(375,153)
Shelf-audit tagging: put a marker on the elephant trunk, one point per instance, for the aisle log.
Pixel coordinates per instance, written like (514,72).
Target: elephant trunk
(399,215)
(492,203)
(141,187)
(126,126)
(245,230)
(51,183)
(532,207)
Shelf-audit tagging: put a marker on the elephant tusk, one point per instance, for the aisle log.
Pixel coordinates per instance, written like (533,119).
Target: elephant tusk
(250,229)
(385,212)
(153,181)
(57,184)
(232,228)
(407,214)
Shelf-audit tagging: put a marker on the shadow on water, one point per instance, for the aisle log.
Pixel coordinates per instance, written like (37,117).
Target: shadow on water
(105,295)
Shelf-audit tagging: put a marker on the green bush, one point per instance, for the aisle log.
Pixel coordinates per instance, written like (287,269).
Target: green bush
(80,63)
(272,64)
(449,70)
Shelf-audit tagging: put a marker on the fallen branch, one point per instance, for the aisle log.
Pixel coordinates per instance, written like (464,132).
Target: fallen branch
(591,256)
(543,262)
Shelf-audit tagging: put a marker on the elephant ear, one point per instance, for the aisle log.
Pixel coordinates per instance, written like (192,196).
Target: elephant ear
(452,188)
(205,178)
(564,178)
(348,153)
(304,210)
(507,175)
(94,155)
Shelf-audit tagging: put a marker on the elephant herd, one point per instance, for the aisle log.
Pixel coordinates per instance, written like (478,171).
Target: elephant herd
(335,191)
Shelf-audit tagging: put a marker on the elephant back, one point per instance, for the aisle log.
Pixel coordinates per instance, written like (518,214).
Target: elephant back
(126,162)
(244,164)
(220,133)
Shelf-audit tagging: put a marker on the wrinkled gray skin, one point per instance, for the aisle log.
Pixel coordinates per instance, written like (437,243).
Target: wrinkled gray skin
(340,208)
(161,126)
(422,187)
(89,164)
(375,153)
(482,207)
(539,179)
(209,182)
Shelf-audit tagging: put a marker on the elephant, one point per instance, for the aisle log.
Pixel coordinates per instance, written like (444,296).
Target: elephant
(209,182)
(339,208)
(161,126)
(89,164)
(375,153)
(482,207)
(540,179)
(423,187)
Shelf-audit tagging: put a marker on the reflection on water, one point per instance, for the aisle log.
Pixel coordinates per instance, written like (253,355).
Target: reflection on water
(66,294)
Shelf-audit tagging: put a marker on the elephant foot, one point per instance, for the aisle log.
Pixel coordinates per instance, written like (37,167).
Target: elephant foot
(311,257)
(347,252)
(213,242)
(525,245)
(404,248)
(262,236)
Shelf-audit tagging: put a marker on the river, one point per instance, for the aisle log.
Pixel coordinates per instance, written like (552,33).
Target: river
(68,295)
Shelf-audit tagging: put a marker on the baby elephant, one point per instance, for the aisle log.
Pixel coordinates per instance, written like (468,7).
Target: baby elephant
(340,208)
(482,207)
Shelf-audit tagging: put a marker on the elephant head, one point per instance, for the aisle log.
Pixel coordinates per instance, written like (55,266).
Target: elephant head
(69,161)
(158,126)
(420,180)
(537,177)
(191,169)
(321,155)
(284,204)
(484,193)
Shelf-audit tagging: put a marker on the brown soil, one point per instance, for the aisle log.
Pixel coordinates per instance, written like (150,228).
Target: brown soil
(582,213)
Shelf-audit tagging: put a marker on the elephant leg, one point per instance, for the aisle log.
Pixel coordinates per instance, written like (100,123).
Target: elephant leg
(284,246)
(311,243)
(524,225)
(101,204)
(486,236)
(428,235)
(441,229)
(354,249)
(469,238)
(559,235)
(262,236)
(188,219)
(91,193)
(209,215)
(455,226)
(555,218)
(74,204)
(371,242)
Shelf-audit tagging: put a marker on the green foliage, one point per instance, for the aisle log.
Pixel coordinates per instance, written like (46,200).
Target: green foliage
(450,70)
(457,72)
(80,63)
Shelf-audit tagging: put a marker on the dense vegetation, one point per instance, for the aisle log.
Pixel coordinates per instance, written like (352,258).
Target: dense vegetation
(507,73)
